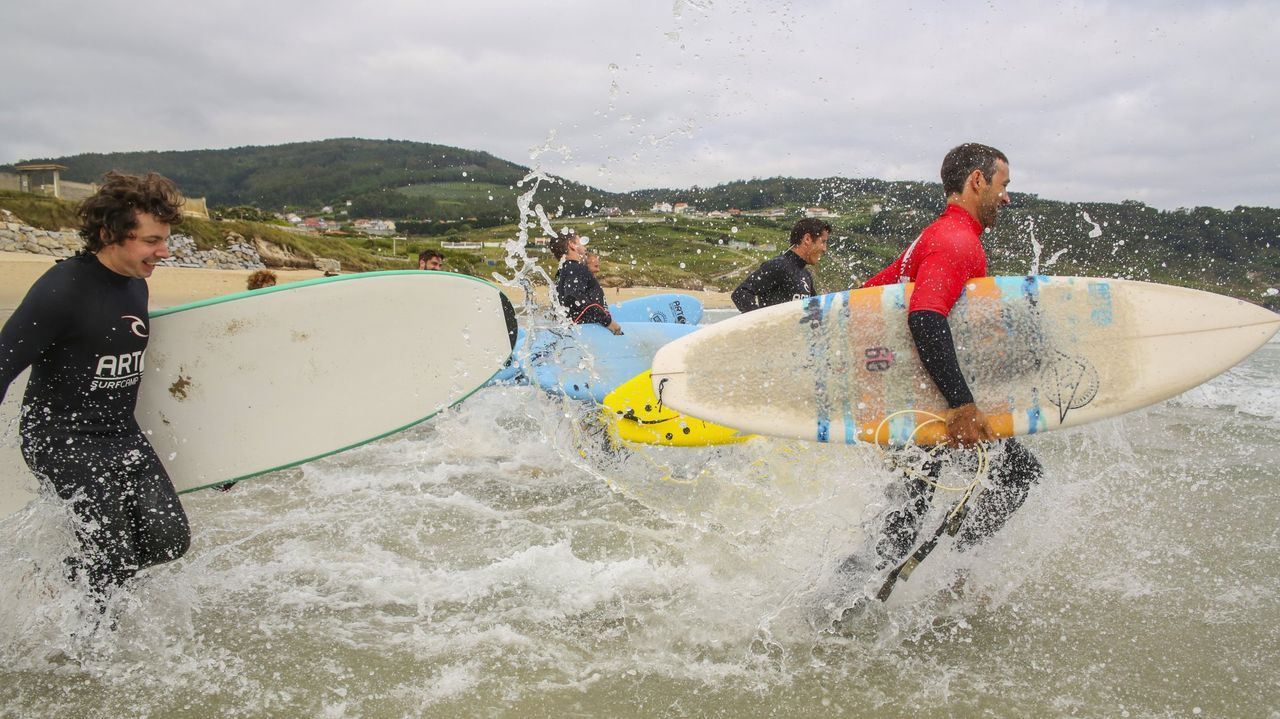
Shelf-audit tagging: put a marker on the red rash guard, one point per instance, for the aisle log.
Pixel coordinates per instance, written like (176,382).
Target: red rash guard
(945,256)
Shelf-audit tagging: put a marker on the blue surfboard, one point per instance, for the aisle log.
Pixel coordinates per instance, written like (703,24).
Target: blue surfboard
(672,307)
(586,362)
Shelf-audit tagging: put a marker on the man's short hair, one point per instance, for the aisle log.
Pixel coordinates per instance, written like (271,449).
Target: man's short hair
(428,254)
(115,205)
(560,243)
(962,160)
(808,226)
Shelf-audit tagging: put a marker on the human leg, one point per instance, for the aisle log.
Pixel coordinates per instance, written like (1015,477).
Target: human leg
(897,529)
(160,530)
(1011,476)
(127,514)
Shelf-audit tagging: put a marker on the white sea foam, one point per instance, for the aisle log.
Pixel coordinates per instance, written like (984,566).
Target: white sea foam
(501,555)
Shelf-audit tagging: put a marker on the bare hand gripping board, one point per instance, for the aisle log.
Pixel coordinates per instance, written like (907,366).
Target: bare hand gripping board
(253,382)
(1038,352)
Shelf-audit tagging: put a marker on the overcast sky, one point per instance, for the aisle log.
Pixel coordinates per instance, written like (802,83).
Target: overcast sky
(1175,104)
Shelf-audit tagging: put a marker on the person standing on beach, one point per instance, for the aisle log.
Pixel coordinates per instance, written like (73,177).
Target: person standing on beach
(261,279)
(946,255)
(83,330)
(431,260)
(577,289)
(786,277)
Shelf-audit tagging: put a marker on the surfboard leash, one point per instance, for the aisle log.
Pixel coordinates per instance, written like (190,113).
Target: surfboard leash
(951,523)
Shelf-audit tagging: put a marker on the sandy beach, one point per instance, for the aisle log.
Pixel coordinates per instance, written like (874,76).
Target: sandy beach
(180,285)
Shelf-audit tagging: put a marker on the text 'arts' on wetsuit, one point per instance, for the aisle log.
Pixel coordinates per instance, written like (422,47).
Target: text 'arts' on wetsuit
(781,279)
(581,294)
(83,330)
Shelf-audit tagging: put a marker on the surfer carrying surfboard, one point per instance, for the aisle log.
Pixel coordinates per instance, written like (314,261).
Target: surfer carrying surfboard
(946,255)
(576,287)
(786,277)
(83,329)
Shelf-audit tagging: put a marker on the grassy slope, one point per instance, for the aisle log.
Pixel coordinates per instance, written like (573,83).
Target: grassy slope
(692,252)
(52,214)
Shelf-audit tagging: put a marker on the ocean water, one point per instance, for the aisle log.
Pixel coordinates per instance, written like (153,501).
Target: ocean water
(502,560)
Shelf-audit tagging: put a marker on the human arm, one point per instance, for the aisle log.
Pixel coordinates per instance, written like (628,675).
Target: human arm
(966,424)
(888,276)
(32,328)
(944,267)
(748,295)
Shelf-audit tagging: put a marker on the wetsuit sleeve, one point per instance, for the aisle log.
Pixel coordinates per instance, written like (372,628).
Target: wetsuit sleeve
(888,276)
(32,328)
(581,295)
(747,296)
(937,352)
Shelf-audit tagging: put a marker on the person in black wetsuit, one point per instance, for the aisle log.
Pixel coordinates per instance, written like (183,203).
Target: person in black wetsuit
(577,289)
(82,329)
(786,277)
(431,260)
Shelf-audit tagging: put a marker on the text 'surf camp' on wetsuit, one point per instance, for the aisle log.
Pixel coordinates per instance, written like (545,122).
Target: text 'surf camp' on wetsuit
(581,294)
(83,330)
(781,279)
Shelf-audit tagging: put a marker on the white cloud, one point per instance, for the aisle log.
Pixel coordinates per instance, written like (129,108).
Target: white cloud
(1169,103)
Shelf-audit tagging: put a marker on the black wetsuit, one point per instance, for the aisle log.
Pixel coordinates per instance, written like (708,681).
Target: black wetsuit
(82,329)
(781,279)
(581,294)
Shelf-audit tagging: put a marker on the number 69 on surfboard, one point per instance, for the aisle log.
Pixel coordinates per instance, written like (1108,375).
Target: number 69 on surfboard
(1039,353)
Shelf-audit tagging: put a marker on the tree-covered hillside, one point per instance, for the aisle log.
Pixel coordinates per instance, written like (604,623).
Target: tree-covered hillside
(434,190)
(380,178)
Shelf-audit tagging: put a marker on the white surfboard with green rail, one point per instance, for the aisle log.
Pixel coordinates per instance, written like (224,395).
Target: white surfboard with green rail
(249,383)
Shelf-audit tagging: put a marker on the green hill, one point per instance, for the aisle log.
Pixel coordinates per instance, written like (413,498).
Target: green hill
(391,179)
(1235,252)
(437,192)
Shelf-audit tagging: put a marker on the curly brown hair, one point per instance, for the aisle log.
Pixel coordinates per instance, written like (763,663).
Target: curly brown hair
(260,279)
(112,210)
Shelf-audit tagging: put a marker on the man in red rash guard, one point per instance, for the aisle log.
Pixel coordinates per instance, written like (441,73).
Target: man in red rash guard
(946,255)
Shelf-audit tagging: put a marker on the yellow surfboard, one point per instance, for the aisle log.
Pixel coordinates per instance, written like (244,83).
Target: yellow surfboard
(634,414)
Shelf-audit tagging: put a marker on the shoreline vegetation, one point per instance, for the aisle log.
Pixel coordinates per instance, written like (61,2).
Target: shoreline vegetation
(172,286)
(300,203)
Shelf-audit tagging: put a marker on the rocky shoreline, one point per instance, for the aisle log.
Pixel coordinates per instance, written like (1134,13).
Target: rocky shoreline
(239,254)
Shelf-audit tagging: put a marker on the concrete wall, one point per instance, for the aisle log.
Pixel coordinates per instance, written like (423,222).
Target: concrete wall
(195,207)
(72,191)
(77,191)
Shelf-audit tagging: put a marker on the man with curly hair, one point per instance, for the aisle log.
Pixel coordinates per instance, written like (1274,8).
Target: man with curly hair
(82,329)
(261,279)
